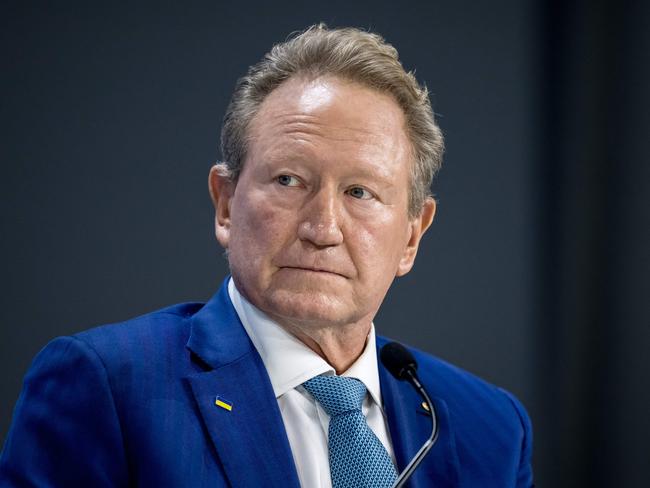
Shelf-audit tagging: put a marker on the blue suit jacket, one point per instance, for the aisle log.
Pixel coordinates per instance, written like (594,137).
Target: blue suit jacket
(133,404)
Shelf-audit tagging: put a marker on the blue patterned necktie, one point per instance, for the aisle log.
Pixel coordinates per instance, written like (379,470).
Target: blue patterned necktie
(357,456)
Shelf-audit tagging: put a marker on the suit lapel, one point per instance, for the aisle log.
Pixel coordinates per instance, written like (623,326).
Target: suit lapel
(410,426)
(249,438)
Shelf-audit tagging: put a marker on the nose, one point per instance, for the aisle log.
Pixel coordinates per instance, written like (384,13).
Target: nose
(320,220)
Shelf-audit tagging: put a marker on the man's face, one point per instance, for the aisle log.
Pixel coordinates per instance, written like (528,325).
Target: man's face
(317,225)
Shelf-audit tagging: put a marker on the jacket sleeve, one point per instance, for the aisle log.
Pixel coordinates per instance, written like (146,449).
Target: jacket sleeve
(65,430)
(524,476)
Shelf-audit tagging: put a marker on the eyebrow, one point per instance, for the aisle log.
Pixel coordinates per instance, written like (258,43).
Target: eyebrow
(371,171)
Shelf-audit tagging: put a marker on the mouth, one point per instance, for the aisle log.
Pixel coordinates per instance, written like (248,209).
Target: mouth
(322,271)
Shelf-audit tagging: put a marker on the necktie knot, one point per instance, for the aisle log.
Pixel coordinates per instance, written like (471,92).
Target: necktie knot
(337,394)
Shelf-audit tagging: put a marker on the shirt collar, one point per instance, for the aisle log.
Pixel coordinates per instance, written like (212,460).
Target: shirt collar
(288,361)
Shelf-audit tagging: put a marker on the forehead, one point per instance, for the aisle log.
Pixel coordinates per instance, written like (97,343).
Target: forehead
(342,115)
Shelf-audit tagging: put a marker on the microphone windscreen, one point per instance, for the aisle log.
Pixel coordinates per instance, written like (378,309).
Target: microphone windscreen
(397,360)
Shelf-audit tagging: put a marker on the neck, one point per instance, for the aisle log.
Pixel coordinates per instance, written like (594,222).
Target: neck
(340,346)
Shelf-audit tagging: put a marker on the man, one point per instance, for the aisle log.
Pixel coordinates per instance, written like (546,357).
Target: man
(329,149)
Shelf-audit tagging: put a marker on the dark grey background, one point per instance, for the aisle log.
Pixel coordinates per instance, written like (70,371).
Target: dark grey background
(534,274)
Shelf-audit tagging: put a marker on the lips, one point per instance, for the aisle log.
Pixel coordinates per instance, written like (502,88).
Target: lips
(315,270)
(327,262)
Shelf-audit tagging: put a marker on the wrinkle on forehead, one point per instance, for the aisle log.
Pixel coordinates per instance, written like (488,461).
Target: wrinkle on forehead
(296,124)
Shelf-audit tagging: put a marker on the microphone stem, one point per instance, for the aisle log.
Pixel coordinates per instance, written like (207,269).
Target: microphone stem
(405,475)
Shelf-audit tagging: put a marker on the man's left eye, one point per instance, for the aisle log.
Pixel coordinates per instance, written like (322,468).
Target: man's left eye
(288,180)
(360,193)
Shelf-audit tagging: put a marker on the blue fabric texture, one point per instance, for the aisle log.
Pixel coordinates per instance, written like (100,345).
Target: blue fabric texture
(357,456)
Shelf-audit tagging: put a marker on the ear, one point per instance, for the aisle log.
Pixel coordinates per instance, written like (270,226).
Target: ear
(417,227)
(222,189)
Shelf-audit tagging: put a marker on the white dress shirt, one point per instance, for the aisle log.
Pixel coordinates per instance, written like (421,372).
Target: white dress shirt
(290,363)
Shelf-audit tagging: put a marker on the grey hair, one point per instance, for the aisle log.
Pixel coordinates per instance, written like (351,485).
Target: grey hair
(351,54)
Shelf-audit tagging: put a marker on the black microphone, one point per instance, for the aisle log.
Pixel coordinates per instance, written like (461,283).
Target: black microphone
(402,365)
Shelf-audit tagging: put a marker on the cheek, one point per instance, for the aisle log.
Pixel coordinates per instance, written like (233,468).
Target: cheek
(257,229)
(379,246)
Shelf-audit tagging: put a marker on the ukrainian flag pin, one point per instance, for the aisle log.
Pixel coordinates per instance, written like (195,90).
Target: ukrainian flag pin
(223,403)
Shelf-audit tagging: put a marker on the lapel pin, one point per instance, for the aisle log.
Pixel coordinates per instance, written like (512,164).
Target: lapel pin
(425,406)
(223,403)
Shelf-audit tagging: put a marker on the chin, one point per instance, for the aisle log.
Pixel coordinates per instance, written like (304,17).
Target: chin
(309,307)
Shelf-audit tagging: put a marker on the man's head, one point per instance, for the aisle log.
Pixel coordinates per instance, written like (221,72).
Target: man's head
(350,54)
(316,210)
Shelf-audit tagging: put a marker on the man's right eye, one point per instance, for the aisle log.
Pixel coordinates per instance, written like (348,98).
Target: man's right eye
(288,180)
